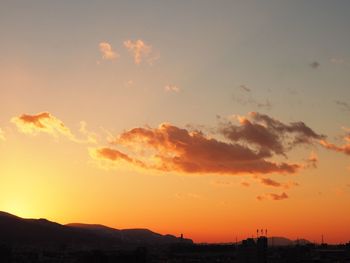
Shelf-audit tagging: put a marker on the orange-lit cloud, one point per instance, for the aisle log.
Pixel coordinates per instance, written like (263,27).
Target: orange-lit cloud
(47,123)
(273,183)
(170,148)
(272,196)
(171,88)
(41,122)
(343,148)
(107,52)
(140,51)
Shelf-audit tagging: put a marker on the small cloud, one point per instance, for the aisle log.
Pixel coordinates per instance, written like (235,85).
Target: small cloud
(270,182)
(245,88)
(129,83)
(141,51)
(312,160)
(273,183)
(315,65)
(41,122)
(343,105)
(187,196)
(171,88)
(222,183)
(45,122)
(338,61)
(245,184)
(272,196)
(107,52)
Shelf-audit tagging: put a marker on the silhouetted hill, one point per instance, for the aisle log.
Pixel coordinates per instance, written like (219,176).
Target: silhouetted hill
(16,230)
(282,241)
(139,236)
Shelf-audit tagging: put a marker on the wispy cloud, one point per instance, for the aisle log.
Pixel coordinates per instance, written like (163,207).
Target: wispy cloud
(141,51)
(245,88)
(345,148)
(130,83)
(343,105)
(273,183)
(246,98)
(312,160)
(315,65)
(107,52)
(272,196)
(171,88)
(338,61)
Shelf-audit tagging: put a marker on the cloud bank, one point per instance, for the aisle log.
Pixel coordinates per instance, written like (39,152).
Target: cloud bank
(247,149)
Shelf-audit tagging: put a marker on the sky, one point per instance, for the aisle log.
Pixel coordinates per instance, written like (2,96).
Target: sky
(207,118)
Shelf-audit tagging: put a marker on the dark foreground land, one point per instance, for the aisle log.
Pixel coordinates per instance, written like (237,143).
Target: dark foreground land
(178,253)
(39,240)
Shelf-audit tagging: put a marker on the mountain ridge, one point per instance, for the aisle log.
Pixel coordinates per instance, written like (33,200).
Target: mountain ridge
(19,230)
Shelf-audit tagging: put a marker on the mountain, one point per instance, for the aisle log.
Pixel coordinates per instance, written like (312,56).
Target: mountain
(137,235)
(17,230)
(282,241)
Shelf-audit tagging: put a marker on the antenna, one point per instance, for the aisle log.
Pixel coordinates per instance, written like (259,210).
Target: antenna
(266,232)
(322,239)
(257,233)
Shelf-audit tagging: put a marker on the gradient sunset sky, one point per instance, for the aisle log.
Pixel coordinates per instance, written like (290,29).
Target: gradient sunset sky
(207,118)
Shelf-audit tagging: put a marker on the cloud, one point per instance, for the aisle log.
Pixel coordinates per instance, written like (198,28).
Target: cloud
(273,183)
(245,184)
(272,196)
(312,160)
(343,105)
(245,88)
(315,65)
(270,182)
(2,135)
(41,122)
(338,61)
(107,51)
(130,83)
(45,122)
(173,149)
(91,137)
(171,88)
(268,135)
(246,98)
(141,51)
(343,148)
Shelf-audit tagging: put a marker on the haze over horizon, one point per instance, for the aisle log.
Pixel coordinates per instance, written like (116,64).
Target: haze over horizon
(210,119)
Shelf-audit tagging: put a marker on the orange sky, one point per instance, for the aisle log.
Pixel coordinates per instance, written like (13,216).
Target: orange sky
(181,118)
